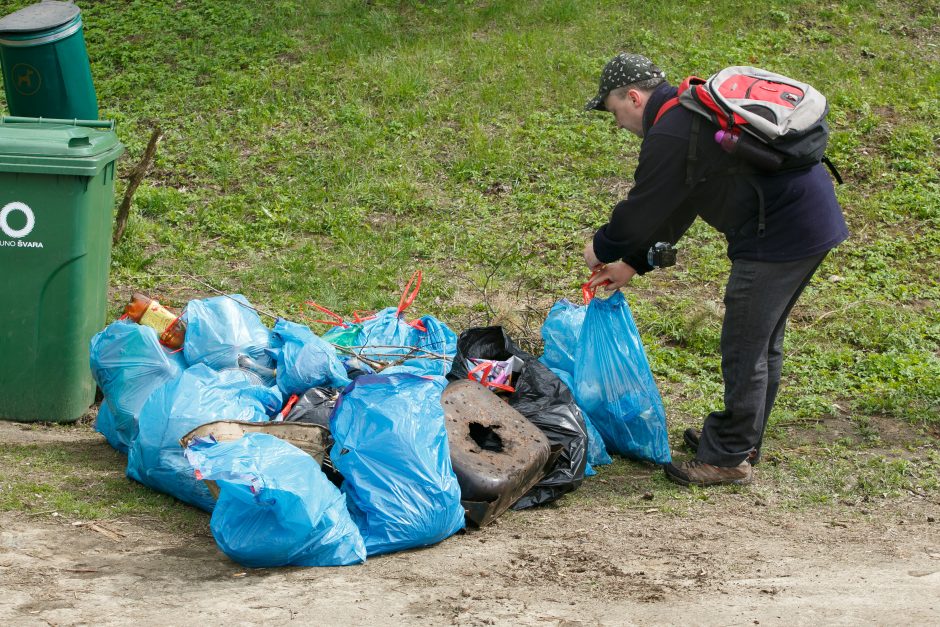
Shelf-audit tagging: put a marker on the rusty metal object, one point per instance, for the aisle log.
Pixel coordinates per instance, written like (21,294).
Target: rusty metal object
(497,454)
(311,439)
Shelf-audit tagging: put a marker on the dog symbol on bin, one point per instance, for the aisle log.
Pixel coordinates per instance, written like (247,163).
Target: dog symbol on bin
(26,79)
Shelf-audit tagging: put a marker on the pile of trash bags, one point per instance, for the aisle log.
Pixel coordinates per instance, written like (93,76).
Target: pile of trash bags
(324,450)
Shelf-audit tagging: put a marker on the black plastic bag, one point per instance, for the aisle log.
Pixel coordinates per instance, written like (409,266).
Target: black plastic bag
(314,407)
(541,397)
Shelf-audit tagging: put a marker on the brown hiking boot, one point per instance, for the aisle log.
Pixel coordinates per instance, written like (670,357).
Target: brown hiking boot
(699,473)
(692,436)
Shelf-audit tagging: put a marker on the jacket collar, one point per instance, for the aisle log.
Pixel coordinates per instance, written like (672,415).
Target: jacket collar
(657,98)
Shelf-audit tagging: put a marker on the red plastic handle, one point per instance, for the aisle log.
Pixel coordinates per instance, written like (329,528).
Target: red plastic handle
(406,297)
(589,292)
(484,369)
(290,405)
(484,366)
(361,315)
(337,320)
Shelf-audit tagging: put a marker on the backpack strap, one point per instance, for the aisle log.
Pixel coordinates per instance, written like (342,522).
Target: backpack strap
(691,158)
(832,168)
(692,154)
(761,214)
(670,104)
(742,170)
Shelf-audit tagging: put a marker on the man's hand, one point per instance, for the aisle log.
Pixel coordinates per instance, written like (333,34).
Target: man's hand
(616,275)
(589,257)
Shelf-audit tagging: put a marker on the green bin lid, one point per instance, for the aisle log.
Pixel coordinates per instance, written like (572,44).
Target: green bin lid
(41,16)
(44,147)
(40,24)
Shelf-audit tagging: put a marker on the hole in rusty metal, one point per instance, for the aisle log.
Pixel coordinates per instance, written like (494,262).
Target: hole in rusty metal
(486,437)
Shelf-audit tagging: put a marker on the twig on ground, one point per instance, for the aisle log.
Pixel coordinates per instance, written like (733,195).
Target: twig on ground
(221,293)
(375,365)
(411,348)
(399,355)
(402,359)
(100,528)
(137,175)
(840,310)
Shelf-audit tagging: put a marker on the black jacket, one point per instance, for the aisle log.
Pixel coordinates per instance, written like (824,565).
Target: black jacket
(802,219)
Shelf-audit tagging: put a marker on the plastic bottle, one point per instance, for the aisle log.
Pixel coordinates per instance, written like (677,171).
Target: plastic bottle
(728,140)
(749,149)
(149,312)
(267,375)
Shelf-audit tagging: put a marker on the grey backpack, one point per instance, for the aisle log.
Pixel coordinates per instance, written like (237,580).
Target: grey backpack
(787,117)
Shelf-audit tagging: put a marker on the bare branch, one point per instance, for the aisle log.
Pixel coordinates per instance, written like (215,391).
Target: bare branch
(136,176)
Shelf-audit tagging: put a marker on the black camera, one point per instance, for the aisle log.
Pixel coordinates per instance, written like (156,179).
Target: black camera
(661,255)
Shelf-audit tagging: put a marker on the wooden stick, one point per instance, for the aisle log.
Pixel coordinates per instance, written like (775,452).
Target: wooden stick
(260,312)
(410,348)
(136,176)
(375,365)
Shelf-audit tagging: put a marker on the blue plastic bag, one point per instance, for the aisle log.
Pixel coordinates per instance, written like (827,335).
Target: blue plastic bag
(221,328)
(391,448)
(199,396)
(275,507)
(613,383)
(304,360)
(597,454)
(388,332)
(128,363)
(561,333)
(105,425)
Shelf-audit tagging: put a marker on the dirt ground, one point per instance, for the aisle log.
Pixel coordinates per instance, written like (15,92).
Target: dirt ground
(729,560)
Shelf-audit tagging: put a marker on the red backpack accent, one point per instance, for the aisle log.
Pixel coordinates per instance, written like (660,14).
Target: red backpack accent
(674,102)
(786,115)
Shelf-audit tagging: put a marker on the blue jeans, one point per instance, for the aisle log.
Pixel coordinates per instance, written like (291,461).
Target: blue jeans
(758,300)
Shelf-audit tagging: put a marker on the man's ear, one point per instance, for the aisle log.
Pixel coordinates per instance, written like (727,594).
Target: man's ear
(636,97)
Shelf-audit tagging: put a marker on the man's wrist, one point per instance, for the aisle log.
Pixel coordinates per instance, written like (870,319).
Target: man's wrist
(638,262)
(605,250)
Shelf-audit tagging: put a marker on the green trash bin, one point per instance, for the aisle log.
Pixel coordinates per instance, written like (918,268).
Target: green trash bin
(56,201)
(46,72)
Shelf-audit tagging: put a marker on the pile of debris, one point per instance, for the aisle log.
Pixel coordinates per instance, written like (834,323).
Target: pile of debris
(378,436)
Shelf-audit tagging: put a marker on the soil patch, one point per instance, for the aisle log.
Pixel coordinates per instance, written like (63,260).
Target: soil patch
(42,432)
(724,562)
(600,557)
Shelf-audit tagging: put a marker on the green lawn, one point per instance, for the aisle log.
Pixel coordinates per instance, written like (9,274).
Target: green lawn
(325,150)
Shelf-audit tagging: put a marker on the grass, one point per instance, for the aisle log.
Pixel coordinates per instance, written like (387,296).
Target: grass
(325,150)
(793,476)
(84,480)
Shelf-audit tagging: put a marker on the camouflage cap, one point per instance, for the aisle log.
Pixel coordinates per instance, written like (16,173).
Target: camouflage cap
(624,69)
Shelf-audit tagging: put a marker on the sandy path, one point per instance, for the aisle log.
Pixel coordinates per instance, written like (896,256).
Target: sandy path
(727,560)
(557,566)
